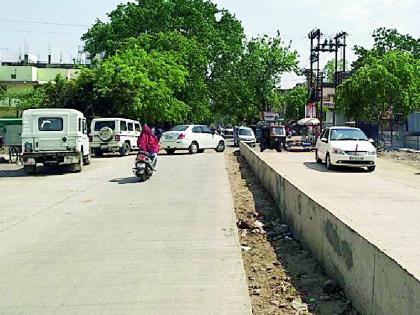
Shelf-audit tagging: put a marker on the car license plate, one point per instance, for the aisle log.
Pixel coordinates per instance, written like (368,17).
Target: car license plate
(29,161)
(352,158)
(104,146)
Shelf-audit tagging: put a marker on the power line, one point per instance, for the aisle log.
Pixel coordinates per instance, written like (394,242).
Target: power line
(42,32)
(41,22)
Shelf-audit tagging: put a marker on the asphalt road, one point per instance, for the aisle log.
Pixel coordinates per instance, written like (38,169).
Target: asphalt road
(100,242)
(383,206)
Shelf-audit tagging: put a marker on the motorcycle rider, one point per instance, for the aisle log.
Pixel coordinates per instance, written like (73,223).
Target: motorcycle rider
(147,142)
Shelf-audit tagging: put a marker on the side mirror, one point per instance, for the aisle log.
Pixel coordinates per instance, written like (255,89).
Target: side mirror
(324,139)
(371,140)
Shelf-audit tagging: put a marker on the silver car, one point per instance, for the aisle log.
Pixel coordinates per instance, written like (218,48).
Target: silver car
(246,135)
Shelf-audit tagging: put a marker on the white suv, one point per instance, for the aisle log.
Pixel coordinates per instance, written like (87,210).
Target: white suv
(114,135)
(194,138)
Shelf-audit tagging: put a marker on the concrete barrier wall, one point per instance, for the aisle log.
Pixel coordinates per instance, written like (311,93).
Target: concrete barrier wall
(374,282)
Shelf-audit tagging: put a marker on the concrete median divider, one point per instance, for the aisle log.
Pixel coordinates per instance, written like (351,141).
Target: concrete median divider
(374,282)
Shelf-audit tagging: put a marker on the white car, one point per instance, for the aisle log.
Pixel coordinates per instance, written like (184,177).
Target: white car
(54,137)
(246,135)
(345,146)
(114,135)
(194,138)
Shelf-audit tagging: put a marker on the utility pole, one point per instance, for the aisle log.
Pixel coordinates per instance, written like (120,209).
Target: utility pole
(327,46)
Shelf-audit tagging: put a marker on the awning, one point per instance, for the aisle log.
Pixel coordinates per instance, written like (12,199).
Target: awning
(308,122)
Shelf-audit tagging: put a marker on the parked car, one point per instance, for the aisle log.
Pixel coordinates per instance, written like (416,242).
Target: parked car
(114,135)
(194,138)
(245,135)
(345,146)
(227,132)
(54,137)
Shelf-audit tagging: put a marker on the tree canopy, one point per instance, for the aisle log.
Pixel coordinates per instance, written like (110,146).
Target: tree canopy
(294,103)
(389,83)
(175,61)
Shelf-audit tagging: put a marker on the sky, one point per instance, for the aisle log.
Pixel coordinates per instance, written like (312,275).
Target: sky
(38,26)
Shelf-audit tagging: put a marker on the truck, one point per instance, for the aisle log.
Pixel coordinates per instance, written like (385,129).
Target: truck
(54,137)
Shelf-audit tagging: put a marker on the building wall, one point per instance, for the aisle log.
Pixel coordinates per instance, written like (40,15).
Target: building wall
(49,74)
(23,73)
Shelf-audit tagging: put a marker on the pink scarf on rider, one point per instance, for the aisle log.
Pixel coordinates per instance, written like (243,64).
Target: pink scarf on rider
(147,141)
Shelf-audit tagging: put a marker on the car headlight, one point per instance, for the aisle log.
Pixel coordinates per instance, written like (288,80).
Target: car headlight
(338,151)
(371,153)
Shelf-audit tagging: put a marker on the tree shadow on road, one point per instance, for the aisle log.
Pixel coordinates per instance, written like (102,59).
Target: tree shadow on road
(306,274)
(41,171)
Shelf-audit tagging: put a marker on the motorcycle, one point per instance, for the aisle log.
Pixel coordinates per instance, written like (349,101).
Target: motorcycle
(144,166)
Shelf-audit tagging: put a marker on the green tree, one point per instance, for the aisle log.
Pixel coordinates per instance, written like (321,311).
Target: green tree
(250,85)
(386,40)
(329,69)
(132,83)
(294,103)
(382,85)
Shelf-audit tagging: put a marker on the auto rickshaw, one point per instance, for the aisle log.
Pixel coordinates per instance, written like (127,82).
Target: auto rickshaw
(273,137)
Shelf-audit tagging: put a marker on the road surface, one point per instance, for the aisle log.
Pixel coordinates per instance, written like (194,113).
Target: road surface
(383,206)
(100,242)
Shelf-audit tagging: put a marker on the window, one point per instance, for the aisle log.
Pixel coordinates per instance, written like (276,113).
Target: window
(100,124)
(245,132)
(50,124)
(80,124)
(179,128)
(205,129)
(123,125)
(279,131)
(137,127)
(130,127)
(13,76)
(196,129)
(84,126)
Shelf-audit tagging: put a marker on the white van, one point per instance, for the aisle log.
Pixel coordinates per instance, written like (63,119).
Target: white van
(54,137)
(114,135)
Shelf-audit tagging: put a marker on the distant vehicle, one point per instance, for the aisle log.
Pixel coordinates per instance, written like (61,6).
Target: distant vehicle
(273,137)
(345,146)
(114,135)
(227,132)
(245,135)
(54,137)
(194,138)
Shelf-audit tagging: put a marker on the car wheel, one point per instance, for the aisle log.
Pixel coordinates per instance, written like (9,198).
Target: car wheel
(220,147)
(87,159)
(371,168)
(193,148)
(318,160)
(200,150)
(328,162)
(30,169)
(125,149)
(98,153)
(170,151)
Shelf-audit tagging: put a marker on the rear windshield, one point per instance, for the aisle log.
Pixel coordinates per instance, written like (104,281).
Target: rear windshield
(179,128)
(278,131)
(100,124)
(245,132)
(50,124)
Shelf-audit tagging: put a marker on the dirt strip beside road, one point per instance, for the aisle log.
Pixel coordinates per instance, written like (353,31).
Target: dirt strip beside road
(283,277)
